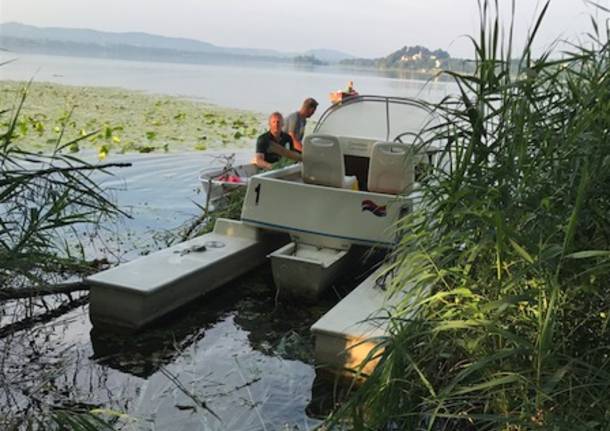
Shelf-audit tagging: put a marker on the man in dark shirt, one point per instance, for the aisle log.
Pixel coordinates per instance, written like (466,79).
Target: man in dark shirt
(274,144)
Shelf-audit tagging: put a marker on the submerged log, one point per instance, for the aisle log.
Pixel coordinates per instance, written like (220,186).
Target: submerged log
(30,292)
(30,322)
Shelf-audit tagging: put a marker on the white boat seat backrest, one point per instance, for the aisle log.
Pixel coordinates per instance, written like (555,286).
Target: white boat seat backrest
(391,168)
(323,162)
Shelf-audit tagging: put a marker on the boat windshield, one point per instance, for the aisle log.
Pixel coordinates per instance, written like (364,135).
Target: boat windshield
(374,117)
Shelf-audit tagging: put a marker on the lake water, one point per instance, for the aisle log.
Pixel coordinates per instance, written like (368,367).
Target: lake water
(258,87)
(246,358)
(160,193)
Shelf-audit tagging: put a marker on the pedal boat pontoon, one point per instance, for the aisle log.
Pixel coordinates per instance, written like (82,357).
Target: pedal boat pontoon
(305,217)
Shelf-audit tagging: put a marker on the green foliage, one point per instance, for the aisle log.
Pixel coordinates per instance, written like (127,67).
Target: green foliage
(229,208)
(413,58)
(44,196)
(505,265)
(145,148)
(107,131)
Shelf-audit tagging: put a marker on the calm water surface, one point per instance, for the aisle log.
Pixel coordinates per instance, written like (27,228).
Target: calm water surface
(236,353)
(262,88)
(160,192)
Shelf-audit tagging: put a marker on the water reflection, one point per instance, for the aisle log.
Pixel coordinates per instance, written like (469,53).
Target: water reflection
(237,353)
(228,352)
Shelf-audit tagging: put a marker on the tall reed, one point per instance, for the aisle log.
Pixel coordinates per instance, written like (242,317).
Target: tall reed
(505,265)
(42,196)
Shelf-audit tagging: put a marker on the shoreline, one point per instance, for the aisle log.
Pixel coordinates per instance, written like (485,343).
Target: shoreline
(118,120)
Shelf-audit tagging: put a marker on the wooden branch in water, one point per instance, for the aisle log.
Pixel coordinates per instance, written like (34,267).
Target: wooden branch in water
(65,169)
(29,292)
(187,233)
(30,322)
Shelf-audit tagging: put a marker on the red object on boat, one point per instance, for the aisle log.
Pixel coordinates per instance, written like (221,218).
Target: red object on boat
(340,96)
(231,179)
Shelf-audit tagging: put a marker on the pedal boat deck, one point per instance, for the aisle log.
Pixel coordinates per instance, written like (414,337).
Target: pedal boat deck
(136,293)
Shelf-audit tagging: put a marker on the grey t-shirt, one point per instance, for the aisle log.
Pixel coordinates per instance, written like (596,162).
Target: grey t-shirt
(294,123)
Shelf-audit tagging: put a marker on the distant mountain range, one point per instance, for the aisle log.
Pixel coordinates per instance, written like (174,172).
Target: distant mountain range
(22,38)
(141,46)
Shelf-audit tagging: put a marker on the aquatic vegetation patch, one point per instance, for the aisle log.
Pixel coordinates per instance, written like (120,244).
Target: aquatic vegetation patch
(117,120)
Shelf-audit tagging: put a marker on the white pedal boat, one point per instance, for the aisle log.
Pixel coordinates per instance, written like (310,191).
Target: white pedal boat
(356,181)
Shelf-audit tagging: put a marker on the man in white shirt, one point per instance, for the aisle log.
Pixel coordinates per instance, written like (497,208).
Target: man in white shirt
(295,122)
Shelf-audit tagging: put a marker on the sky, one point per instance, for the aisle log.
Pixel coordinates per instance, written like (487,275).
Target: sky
(364,28)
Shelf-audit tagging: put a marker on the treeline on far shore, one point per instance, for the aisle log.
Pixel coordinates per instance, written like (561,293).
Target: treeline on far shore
(413,58)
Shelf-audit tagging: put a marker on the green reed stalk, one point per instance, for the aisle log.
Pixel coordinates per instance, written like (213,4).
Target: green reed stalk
(41,197)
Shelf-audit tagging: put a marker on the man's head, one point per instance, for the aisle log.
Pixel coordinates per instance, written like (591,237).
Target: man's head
(275,123)
(309,107)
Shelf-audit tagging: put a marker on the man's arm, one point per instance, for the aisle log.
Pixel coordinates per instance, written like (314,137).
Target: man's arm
(259,161)
(281,151)
(295,142)
(262,146)
(291,129)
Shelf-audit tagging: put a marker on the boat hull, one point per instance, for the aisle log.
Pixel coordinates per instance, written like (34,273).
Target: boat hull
(319,215)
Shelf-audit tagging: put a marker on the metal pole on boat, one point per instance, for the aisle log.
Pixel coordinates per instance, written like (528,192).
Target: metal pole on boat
(387,118)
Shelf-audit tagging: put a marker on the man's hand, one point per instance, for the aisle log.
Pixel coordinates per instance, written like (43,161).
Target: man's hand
(259,161)
(279,150)
(295,142)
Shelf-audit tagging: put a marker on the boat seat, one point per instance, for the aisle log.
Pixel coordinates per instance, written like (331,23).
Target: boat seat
(391,168)
(323,162)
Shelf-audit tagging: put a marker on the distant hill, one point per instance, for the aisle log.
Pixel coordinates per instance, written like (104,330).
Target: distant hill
(86,36)
(412,58)
(85,42)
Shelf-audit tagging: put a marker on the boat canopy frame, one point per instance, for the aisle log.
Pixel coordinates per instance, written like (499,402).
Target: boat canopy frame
(388,102)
